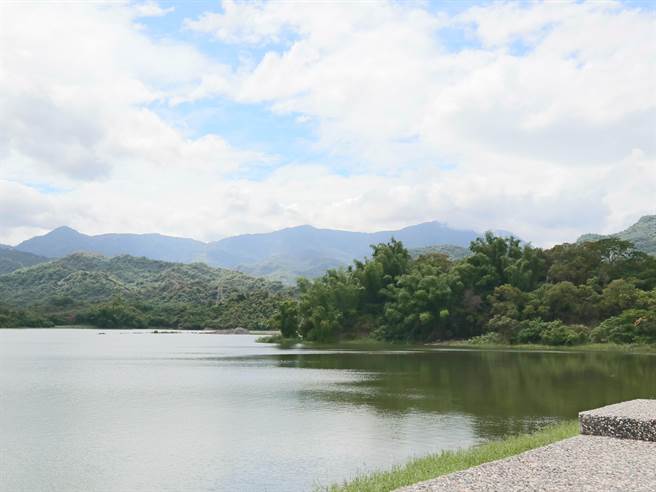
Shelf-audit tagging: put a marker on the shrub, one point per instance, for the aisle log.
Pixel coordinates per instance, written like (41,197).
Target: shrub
(530,331)
(557,333)
(632,326)
(551,333)
(506,327)
(490,338)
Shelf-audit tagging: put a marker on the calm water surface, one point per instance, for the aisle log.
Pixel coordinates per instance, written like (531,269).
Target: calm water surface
(136,411)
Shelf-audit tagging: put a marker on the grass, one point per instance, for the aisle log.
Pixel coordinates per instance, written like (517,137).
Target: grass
(586,347)
(279,339)
(361,343)
(370,343)
(435,465)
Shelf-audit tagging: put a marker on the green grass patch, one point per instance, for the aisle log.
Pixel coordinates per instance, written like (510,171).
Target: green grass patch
(586,347)
(279,339)
(362,343)
(435,465)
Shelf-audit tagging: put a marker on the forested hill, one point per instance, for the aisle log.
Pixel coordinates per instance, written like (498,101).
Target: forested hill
(151,292)
(11,259)
(642,234)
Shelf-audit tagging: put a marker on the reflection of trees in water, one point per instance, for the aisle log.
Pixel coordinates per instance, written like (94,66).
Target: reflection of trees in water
(503,392)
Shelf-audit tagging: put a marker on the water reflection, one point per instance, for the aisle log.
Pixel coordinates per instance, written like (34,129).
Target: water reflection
(503,392)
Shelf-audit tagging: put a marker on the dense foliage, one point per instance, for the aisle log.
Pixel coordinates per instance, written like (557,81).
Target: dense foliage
(15,318)
(504,291)
(136,292)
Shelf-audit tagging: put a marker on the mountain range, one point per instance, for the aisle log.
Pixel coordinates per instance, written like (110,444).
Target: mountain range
(12,259)
(281,255)
(642,234)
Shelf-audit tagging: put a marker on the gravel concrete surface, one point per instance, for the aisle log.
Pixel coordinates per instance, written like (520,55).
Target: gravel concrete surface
(633,409)
(635,419)
(581,463)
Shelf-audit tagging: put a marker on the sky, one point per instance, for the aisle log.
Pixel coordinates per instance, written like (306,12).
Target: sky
(207,119)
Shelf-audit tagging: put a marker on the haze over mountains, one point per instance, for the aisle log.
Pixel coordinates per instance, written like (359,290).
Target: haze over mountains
(280,255)
(283,255)
(12,259)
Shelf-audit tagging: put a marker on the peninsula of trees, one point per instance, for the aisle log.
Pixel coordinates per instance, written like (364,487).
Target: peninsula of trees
(505,292)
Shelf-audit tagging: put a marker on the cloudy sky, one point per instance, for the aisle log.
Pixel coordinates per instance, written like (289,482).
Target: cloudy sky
(206,119)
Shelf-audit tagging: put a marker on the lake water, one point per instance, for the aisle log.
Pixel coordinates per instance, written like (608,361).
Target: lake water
(136,411)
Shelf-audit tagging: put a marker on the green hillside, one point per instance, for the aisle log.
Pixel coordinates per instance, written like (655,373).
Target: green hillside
(287,269)
(642,234)
(131,291)
(11,259)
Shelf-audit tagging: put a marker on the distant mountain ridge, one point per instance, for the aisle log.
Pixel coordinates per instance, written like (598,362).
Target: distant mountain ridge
(64,241)
(642,234)
(283,255)
(11,259)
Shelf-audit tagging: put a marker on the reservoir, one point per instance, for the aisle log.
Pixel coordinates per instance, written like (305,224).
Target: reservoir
(137,411)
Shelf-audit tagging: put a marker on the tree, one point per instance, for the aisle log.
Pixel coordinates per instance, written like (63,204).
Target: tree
(492,257)
(507,301)
(563,301)
(574,263)
(114,314)
(329,306)
(419,305)
(527,272)
(619,296)
(285,319)
(388,262)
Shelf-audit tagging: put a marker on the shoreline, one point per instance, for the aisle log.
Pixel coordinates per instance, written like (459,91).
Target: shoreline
(439,464)
(586,347)
(151,329)
(373,344)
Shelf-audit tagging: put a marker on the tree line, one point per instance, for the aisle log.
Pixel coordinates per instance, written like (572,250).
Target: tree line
(505,292)
(251,310)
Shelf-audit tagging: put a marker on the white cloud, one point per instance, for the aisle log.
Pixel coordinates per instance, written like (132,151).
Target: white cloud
(252,22)
(76,89)
(152,9)
(544,125)
(555,87)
